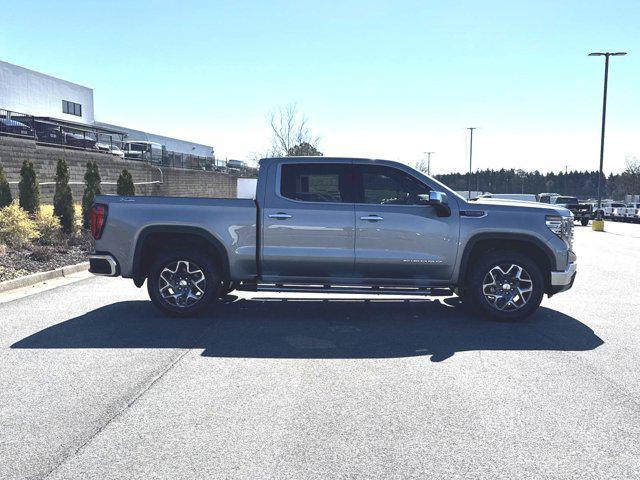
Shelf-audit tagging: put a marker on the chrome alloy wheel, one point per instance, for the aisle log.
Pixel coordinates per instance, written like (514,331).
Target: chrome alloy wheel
(507,287)
(182,283)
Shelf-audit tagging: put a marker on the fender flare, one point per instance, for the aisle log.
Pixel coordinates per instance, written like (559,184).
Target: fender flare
(520,237)
(139,275)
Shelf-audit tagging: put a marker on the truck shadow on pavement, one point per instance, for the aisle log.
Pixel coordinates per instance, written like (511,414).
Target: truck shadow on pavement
(316,328)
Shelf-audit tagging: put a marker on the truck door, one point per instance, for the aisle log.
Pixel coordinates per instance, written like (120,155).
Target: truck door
(308,221)
(398,239)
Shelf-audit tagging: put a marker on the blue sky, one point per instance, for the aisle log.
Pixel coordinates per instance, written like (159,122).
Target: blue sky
(375,79)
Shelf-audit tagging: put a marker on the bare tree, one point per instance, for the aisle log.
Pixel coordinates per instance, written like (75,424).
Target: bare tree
(630,178)
(289,129)
(421,166)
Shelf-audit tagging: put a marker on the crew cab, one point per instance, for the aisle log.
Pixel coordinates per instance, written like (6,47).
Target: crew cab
(343,225)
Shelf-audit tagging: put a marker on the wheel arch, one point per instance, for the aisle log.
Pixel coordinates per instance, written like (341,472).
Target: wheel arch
(163,236)
(527,244)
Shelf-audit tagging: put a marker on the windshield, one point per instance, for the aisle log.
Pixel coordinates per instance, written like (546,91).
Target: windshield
(567,200)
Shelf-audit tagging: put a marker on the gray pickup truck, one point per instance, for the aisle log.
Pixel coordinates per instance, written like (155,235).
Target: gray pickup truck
(343,225)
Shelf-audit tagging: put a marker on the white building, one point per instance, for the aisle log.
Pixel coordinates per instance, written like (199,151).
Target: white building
(32,93)
(25,91)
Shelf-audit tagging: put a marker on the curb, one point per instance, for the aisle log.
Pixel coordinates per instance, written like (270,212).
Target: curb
(38,277)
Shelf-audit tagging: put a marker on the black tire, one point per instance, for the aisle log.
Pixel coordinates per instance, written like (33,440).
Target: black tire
(475,293)
(185,304)
(584,221)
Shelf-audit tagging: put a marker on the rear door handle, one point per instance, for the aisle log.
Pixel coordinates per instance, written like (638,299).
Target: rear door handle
(280,216)
(372,218)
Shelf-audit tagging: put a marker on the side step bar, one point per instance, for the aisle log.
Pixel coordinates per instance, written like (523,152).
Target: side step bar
(358,290)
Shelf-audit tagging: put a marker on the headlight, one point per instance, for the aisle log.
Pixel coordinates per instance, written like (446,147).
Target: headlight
(562,227)
(554,222)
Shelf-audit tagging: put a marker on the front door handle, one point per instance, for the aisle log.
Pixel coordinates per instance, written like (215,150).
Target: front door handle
(372,218)
(280,216)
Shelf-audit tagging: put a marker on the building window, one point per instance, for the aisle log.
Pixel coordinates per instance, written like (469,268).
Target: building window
(71,108)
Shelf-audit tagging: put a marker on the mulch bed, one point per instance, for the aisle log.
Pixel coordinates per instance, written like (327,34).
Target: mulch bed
(40,258)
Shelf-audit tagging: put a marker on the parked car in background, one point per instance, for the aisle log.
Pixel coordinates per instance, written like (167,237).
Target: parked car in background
(337,225)
(113,149)
(15,128)
(144,151)
(236,166)
(79,140)
(633,212)
(581,212)
(48,132)
(610,209)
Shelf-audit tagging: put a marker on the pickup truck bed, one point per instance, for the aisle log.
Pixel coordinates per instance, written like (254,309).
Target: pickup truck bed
(231,223)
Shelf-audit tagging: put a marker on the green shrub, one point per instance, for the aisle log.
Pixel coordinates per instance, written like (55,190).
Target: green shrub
(17,229)
(48,226)
(29,189)
(5,191)
(63,198)
(91,189)
(125,184)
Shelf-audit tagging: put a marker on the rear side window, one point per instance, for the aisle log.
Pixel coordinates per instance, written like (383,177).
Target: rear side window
(388,186)
(316,182)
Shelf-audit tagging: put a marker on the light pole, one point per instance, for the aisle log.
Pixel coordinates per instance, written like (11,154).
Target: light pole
(428,154)
(606,56)
(471,129)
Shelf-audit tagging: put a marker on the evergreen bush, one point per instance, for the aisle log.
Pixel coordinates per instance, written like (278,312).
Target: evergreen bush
(29,189)
(5,191)
(92,188)
(125,184)
(63,198)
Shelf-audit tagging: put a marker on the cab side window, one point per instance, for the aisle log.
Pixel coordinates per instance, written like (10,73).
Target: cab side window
(316,182)
(388,186)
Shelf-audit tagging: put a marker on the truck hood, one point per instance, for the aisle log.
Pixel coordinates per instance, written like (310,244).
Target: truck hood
(498,204)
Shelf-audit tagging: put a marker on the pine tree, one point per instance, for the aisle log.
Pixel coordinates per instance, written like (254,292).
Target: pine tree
(125,184)
(91,189)
(63,198)
(29,189)
(5,191)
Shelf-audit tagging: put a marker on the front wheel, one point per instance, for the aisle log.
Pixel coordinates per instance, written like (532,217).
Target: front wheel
(584,221)
(181,283)
(506,285)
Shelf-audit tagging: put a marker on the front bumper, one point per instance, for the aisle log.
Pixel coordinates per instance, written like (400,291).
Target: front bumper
(563,280)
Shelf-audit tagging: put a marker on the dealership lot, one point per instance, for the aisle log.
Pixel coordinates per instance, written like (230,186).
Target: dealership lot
(95,384)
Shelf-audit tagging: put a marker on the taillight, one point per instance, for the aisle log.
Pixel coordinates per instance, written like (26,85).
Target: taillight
(97,219)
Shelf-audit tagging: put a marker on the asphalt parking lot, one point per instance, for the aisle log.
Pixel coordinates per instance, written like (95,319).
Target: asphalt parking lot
(96,385)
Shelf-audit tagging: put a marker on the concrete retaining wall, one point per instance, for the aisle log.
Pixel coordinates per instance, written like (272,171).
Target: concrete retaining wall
(175,182)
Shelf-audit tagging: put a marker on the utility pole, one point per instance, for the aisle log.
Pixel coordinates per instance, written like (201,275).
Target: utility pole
(428,154)
(471,129)
(606,56)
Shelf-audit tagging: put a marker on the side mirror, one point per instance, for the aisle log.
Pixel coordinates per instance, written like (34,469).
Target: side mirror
(433,198)
(438,200)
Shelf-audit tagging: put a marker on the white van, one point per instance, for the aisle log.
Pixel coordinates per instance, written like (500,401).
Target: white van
(144,151)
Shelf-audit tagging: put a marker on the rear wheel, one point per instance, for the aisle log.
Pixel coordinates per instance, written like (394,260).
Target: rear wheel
(181,283)
(506,285)
(584,221)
